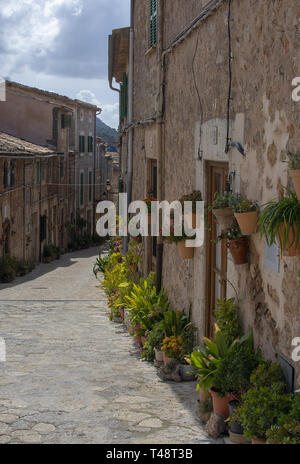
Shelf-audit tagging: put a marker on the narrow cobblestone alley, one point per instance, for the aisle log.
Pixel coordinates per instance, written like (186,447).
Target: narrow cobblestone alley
(71,376)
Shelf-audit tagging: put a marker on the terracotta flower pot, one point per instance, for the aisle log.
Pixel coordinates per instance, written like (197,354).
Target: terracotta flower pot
(166,359)
(258,441)
(184,251)
(239,250)
(291,249)
(221,405)
(48,259)
(203,395)
(224,217)
(295,175)
(247,222)
(122,313)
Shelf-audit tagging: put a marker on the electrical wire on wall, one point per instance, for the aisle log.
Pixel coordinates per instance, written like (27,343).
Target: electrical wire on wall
(198,94)
(230,77)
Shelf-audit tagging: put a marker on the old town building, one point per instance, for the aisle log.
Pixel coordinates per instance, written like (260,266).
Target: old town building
(57,187)
(206,105)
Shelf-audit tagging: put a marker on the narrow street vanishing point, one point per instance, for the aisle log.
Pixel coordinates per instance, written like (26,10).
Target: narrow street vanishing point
(72,376)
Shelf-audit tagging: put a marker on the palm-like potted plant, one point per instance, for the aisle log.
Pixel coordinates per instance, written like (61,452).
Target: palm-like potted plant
(294,170)
(222,209)
(246,214)
(280,222)
(237,243)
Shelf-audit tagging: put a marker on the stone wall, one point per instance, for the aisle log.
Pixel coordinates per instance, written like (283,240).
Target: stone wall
(265,51)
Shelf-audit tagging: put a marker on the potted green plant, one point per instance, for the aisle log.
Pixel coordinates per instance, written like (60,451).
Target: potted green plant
(287,429)
(172,348)
(260,409)
(155,340)
(294,170)
(222,209)
(246,214)
(226,314)
(280,222)
(185,252)
(264,402)
(237,243)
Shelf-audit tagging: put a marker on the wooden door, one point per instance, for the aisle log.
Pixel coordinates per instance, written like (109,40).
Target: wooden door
(217,175)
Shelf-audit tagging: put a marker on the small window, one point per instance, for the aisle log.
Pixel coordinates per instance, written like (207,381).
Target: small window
(90,185)
(90,144)
(153,23)
(81,187)
(66,121)
(12,174)
(37,172)
(81,144)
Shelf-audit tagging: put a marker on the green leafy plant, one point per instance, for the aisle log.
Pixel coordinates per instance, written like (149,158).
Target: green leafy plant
(8,269)
(100,264)
(223,201)
(205,406)
(243,205)
(268,373)
(287,430)
(280,220)
(294,160)
(226,314)
(234,371)
(261,408)
(207,359)
(233,233)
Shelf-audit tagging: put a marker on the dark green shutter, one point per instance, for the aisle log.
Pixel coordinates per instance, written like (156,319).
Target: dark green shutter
(81,143)
(81,187)
(90,144)
(153,23)
(124,96)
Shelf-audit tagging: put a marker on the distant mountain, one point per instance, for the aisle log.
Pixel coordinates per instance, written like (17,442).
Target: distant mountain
(108,134)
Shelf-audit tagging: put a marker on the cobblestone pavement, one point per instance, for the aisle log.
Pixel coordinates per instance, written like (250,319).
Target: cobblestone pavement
(71,376)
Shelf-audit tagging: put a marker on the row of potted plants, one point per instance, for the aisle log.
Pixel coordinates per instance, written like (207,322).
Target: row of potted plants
(165,335)
(246,390)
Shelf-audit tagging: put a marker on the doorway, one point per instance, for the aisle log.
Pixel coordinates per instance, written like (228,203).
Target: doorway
(216,269)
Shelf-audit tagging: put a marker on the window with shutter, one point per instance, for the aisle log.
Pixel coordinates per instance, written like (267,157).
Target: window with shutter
(90,144)
(5,175)
(90,185)
(66,121)
(37,172)
(153,23)
(81,143)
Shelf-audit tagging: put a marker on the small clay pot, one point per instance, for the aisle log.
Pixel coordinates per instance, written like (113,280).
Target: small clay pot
(184,251)
(247,222)
(221,405)
(224,217)
(295,175)
(239,250)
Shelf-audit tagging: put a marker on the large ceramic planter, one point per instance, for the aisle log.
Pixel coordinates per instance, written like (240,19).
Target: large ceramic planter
(295,175)
(258,441)
(184,251)
(221,405)
(247,222)
(239,250)
(291,249)
(224,217)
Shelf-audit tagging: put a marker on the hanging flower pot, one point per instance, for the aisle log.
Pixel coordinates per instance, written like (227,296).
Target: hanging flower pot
(224,217)
(247,222)
(295,176)
(184,251)
(290,247)
(239,250)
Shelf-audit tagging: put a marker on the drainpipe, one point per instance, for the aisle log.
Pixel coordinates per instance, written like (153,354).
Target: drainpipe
(130,120)
(159,125)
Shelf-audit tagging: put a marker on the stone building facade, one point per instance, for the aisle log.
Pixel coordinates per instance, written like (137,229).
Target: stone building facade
(183,112)
(65,190)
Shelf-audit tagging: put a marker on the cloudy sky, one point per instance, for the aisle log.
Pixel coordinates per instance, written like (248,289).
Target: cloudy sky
(61,46)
